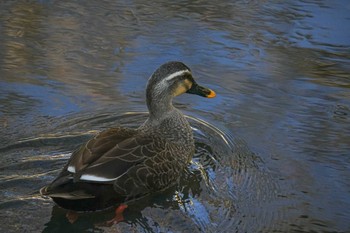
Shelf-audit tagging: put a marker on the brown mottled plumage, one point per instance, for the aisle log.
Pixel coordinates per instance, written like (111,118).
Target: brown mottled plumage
(121,164)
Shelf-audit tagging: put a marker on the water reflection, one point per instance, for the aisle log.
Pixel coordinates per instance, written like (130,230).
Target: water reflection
(280,68)
(208,194)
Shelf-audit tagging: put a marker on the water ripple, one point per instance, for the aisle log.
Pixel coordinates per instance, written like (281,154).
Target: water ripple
(224,182)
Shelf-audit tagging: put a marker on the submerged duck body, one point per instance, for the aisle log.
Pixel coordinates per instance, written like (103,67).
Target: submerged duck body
(121,164)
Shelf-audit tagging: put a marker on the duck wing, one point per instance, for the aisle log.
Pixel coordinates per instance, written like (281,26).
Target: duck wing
(137,166)
(97,147)
(82,158)
(133,165)
(117,160)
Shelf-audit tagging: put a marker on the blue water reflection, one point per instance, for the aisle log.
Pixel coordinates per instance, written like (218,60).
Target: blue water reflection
(281,70)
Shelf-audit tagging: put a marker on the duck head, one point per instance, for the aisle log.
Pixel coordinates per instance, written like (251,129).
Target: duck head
(169,80)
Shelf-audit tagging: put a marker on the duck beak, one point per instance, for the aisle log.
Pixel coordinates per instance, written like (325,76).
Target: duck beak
(201,91)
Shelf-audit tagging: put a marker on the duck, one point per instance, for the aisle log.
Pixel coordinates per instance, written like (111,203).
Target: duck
(119,165)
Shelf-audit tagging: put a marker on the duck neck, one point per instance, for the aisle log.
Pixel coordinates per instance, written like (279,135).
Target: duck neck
(159,106)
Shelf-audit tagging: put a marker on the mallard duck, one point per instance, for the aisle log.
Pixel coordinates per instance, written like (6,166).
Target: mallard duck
(122,164)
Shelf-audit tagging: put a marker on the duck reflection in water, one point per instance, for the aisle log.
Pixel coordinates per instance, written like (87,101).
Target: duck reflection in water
(169,202)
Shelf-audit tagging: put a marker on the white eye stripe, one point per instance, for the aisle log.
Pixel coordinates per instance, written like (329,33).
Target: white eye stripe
(162,85)
(176,74)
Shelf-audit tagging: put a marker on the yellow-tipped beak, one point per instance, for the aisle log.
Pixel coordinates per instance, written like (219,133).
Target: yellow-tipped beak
(202,91)
(211,94)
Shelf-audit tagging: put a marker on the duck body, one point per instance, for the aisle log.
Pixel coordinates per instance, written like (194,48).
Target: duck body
(121,164)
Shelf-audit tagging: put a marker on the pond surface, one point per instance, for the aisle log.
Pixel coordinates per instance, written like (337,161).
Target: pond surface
(272,149)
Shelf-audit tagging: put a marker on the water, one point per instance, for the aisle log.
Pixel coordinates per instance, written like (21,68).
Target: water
(272,149)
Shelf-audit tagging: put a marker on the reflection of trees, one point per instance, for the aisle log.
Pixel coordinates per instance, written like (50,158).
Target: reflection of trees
(72,48)
(280,88)
(21,36)
(19,57)
(53,46)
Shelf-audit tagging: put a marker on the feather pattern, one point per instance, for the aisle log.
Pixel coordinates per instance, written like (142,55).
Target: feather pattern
(122,164)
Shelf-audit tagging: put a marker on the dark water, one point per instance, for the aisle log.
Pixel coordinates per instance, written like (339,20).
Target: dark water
(272,150)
